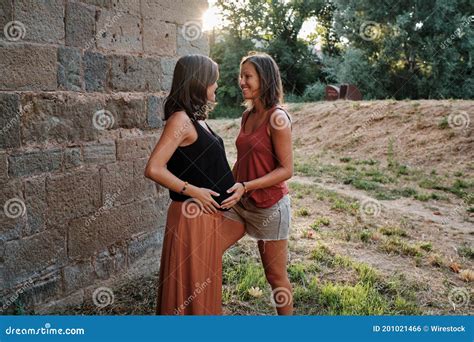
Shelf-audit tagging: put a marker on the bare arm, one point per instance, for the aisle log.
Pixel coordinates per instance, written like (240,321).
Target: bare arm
(178,130)
(281,139)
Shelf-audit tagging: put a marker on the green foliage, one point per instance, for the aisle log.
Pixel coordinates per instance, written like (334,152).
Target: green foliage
(410,49)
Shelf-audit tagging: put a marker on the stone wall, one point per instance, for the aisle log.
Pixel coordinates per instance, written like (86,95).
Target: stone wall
(81,91)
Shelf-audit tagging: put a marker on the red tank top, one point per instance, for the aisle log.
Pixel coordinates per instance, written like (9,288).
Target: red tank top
(255,158)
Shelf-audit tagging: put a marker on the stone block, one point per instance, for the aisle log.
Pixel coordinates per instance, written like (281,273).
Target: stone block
(72,195)
(167,68)
(36,209)
(130,73)
(42,290)
(9,120)
(72,157)
(137,147)
(69,69)
(175,11)
(159,37)
(119,32)
(28,67)
(100,153)
(129,109)
(143,245)
(117,183)
(95,71)
(155,111)
(60,118)
(126,6)
(113,225)
(80,24)
(27,163)
(43,20)
(6,17)
(189,42)
(99,3)
(144,187)
(30,255)
(110,261)
(3,167)
(13,218)
(78,275)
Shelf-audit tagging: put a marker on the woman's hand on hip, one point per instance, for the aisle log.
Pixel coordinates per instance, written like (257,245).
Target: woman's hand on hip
(238,190)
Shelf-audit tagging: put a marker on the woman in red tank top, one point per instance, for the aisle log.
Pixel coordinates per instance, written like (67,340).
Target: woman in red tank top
(264,162)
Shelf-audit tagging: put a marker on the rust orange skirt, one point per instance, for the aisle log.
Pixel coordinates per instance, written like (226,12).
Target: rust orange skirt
(190,281)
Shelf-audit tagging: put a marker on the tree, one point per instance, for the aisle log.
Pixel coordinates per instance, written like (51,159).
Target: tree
(407,44)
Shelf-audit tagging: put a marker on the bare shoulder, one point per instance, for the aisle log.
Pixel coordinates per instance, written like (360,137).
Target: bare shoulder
(179,124)
(178,118)
(279,120)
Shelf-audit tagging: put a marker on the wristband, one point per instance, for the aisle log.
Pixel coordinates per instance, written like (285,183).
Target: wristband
(245,188)
(184,188)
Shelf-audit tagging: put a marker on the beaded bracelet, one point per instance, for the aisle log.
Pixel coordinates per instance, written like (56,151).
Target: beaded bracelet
(184,188)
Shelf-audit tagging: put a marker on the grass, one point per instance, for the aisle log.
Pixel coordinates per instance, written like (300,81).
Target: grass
(302,212)
(466,251)
(343,205)
(241,276)
(458,187)
(369,176)
(395,245)
(443,124)
(320,221)
(367,293)
(392,231)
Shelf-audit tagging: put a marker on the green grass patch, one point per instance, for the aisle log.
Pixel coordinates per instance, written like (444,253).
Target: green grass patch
(241,276)
(369,293)
(396,245)
(302,212)
(392,231)
(466,251)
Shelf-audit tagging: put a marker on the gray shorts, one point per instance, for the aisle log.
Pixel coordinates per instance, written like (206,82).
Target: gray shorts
(263,223)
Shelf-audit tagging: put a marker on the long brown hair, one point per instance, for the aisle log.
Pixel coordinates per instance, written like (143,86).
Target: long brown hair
(193,74)
(271,88)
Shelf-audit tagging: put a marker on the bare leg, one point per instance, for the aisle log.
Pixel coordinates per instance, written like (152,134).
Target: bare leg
(231,232)
(274,255)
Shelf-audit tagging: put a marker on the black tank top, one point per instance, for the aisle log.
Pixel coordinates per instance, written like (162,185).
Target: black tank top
(203,164)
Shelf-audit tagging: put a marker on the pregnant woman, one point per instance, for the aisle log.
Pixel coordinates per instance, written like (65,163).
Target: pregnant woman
(189,159)
(264,161)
